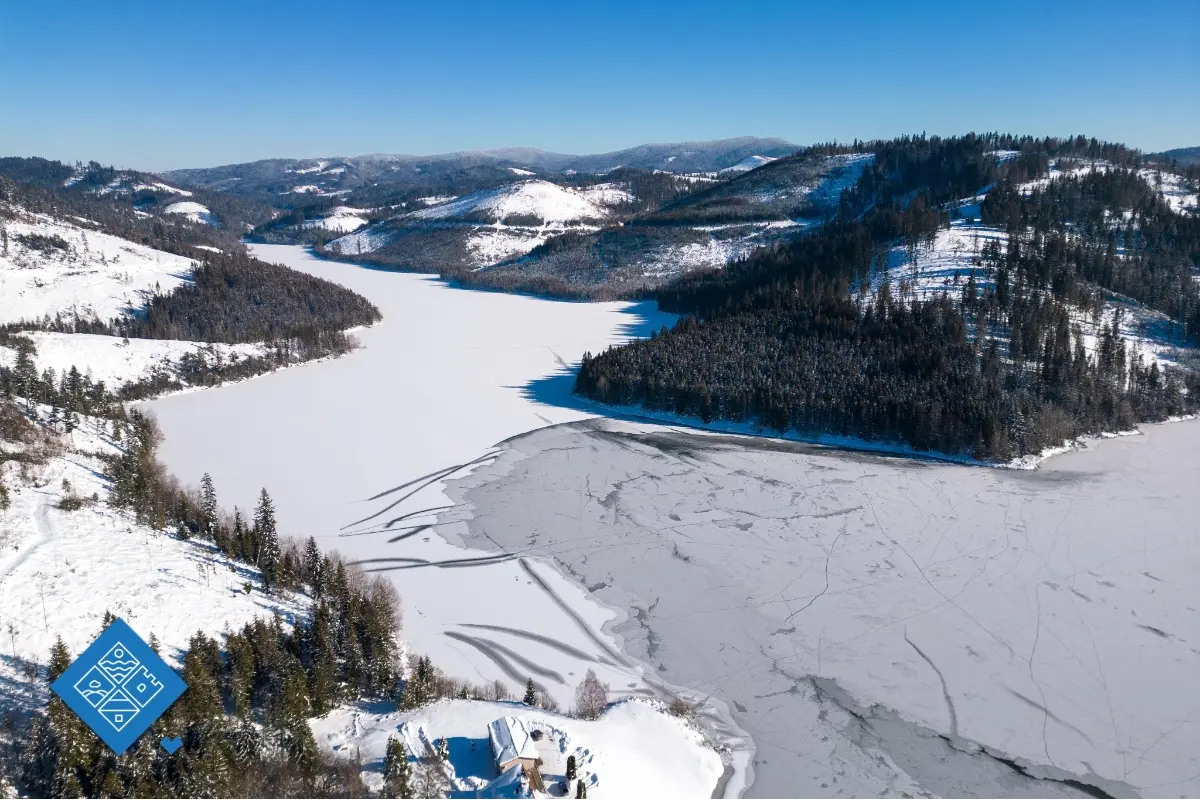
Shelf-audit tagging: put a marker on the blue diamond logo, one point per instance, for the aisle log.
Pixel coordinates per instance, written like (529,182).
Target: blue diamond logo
(119,686)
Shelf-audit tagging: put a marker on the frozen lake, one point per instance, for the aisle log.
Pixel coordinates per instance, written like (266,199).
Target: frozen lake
(883,624)
(878,625)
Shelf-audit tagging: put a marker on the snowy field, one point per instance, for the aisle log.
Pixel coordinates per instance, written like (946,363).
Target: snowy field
(885,625)
(114,360)
(78,271)
(633,750)
(61,570)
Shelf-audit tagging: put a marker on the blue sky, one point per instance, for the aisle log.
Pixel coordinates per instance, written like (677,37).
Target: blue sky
(164,85)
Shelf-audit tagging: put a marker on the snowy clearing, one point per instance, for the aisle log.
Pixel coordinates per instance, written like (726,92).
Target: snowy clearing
(193,211)
(538,199)
(161,187)
(635,749)
(118,361)
(748,163)
(94,274)
(341,218)
(608,194)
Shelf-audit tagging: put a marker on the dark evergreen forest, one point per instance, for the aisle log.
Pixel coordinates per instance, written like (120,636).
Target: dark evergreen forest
(794,339)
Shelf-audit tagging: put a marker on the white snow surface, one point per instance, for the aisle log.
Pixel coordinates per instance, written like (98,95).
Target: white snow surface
(340,218)
(193,211)
(162,187)
(522,172)
(539,199)
(608,194)
(61,570)
(748,163)
(97,275)
(634,750)
(116,361)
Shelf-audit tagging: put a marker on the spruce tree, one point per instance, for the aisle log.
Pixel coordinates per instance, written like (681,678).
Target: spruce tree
(530,693)
(268,539)
(397,772)
(580,788)
(208,505)
(571,768)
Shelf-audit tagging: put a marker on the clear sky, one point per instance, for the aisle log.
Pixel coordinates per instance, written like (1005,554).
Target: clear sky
(159,85)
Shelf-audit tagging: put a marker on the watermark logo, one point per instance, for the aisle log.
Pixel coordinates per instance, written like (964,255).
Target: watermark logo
(119,686)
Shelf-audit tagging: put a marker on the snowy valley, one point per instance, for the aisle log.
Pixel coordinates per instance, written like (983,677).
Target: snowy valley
(766,616)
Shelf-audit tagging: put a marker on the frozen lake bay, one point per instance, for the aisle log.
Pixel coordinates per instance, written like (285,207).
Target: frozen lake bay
(876,619)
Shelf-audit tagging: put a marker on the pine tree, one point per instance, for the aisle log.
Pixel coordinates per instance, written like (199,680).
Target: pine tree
(312,565)
(571,768)
(268,539)
(580,788)
(530,693)
(208,505)
(397,772)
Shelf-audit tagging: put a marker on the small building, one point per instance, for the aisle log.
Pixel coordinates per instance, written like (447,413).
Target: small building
(512,745)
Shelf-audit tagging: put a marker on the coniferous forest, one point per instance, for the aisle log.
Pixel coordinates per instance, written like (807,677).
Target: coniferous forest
(796,339)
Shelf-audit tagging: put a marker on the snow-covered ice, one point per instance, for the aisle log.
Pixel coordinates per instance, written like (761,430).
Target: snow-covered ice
(409,404)
(877,620)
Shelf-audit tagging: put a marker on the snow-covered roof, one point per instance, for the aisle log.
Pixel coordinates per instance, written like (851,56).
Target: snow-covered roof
(510,740)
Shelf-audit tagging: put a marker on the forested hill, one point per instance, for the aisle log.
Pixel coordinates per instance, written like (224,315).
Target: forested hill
(972,296)
(228,297)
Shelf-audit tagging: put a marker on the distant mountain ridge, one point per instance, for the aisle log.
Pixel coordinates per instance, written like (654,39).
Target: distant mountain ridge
(467,170)
(1184,156)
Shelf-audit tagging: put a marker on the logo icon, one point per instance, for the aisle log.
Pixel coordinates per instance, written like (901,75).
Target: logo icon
(119,686)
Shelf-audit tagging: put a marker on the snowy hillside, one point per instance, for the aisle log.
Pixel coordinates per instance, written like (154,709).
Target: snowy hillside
(51,266)
(635,749)
(61,570)
(532,199)
(119,361)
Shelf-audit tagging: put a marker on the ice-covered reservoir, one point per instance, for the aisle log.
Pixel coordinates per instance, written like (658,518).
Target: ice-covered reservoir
(878,625)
